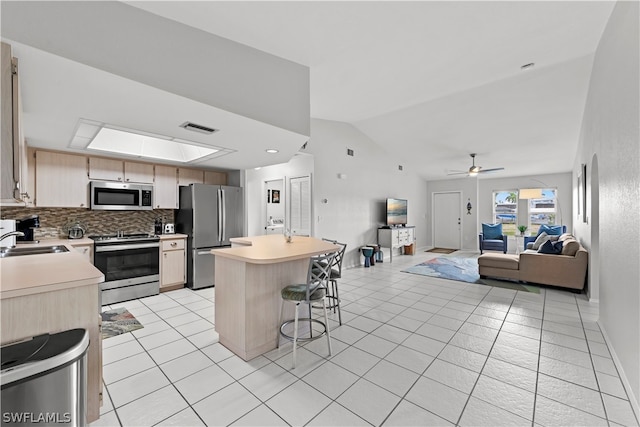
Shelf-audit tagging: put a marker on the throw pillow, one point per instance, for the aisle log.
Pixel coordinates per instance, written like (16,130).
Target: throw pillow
(542,237)
(570,247)
(551,248)
(492,231)
(554,230)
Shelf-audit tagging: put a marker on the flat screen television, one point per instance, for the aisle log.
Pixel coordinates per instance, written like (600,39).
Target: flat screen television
(396,212)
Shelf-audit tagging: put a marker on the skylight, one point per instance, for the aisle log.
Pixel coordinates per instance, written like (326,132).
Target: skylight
(98,136)
(133,144)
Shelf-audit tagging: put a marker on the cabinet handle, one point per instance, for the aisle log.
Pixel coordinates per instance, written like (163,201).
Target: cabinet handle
(174,244)
(127,179)
(119,178)
(165,254)
(81,204)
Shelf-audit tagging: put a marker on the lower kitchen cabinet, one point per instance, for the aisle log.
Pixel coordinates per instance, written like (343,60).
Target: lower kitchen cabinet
(172,263)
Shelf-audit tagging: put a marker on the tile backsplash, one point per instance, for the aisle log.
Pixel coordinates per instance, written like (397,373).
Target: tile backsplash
(53,221)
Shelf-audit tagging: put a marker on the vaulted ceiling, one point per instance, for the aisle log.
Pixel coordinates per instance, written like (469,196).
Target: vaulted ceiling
(429,81)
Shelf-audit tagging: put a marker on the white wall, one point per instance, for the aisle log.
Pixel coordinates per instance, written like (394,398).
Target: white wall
(480,192)
(256,192)
(610,132)
(355,204)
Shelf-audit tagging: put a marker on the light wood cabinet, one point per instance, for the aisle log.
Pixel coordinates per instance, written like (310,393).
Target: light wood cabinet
(116,170)
(165,191)
(213,177)
(172,264)
(138,172)
(190,176)
(61,180)
(13,158)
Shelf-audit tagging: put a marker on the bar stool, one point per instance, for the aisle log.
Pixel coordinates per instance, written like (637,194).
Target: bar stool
(307,293)
(336,273)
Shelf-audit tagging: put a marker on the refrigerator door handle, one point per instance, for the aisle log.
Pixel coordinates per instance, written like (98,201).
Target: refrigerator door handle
(224,216)
(220,225)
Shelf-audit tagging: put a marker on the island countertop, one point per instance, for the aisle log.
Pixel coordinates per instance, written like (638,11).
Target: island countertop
(33,274)
(273,249)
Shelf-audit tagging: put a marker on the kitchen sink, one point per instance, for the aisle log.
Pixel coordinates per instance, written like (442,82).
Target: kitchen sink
(8,252)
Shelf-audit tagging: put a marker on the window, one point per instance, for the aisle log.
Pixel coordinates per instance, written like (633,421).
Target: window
(543,210)
(505,210)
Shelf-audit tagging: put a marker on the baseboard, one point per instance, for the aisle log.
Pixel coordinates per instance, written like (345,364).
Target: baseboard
(635,404)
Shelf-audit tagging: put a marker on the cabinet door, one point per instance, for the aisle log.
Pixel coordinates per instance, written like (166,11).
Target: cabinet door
(106,169)
(61,180)
(138,172)
(190,176)
(173,268)
(165,191)
(213,177)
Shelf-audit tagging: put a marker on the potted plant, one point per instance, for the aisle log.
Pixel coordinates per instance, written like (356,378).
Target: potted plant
(522,229)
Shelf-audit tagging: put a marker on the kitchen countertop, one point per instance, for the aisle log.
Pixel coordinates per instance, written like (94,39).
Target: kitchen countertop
(33,274)
(272,249)
(173,236)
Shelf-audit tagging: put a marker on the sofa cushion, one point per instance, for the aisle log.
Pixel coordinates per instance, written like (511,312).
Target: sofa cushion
(554,230)
(492,231)
(570,247)
(507,262)
(542,237)
(551,248)
(566,236)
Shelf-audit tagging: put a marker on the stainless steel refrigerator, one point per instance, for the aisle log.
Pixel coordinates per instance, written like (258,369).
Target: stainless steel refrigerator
(210,215)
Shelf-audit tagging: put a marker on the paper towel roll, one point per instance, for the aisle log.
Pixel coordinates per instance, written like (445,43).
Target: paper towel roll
(7,226)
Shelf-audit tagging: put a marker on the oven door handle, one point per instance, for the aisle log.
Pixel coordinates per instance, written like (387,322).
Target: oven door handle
(112,248)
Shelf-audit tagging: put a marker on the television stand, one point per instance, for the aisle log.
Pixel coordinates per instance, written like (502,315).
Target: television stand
(396,237)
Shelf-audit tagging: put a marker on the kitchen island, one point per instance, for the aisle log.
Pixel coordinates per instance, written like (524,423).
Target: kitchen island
(248,279)
(50,293)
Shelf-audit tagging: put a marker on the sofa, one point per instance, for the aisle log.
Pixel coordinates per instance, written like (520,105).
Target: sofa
(567,269)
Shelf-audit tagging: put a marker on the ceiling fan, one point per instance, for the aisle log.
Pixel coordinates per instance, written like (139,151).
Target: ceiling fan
(473,169)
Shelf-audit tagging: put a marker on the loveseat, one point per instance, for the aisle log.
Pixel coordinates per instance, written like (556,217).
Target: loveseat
(567,269)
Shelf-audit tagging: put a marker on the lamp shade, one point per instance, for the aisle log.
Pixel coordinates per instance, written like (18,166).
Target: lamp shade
(530,193)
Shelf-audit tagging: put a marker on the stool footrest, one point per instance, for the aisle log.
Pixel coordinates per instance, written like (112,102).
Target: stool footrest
(304,319)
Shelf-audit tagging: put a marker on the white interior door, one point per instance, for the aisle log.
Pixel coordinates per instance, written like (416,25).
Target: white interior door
(447,229)
(300,199)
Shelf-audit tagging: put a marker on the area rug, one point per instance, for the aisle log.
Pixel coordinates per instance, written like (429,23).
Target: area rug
(441,250)
(464,269)
(118,321)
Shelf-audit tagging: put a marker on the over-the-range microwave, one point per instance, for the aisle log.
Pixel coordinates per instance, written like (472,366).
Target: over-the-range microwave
(118,196)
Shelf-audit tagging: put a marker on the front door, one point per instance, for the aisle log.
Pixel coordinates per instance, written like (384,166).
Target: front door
(447,229)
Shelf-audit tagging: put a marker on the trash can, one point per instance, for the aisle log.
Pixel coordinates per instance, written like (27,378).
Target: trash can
(44,380)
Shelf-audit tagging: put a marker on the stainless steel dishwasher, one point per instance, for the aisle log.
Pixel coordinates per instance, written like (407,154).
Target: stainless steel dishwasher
(44,380)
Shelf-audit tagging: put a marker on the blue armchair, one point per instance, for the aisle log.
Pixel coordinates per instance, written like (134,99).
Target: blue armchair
(492,239)
(553,230)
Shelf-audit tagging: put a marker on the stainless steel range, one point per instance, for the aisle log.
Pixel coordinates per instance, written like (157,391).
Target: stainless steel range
(130,264)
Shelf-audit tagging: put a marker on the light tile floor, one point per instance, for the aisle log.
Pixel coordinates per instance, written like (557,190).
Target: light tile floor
(412,350)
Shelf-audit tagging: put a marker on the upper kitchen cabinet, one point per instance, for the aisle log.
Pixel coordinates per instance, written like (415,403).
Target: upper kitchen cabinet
(61,180)
(14,151)
(190,176)
(213,177)
(117,170)
(165,190)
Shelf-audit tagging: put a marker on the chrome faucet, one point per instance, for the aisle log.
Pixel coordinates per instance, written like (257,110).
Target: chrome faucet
(11,233)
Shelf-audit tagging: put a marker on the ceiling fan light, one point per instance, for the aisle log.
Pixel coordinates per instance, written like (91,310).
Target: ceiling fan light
(473,173)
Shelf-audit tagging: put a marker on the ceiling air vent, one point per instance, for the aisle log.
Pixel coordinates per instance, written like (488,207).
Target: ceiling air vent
(198,128)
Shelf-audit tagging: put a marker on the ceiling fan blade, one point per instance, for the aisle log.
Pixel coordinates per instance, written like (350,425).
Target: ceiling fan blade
(455,172)
(490,170)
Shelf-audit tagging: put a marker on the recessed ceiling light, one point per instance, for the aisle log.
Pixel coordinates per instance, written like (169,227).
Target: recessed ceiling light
(271,151)
(258,168)
(527,66)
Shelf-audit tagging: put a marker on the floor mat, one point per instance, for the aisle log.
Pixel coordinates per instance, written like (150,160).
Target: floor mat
(441,250)
(118,321)
(464,269)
